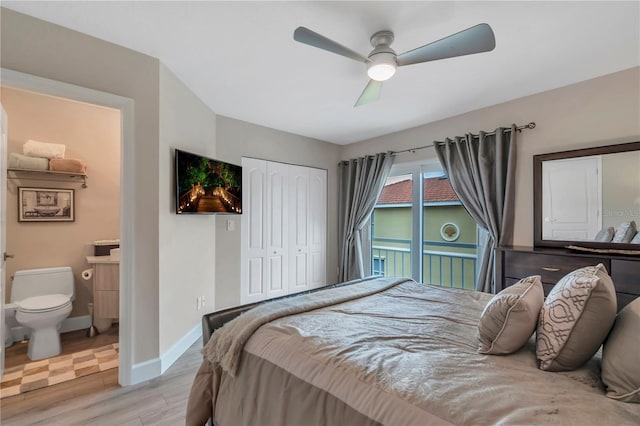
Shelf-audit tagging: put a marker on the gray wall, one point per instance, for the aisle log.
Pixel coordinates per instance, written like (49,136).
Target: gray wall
(186,242)
(620,188)
(601,111)
(237,139)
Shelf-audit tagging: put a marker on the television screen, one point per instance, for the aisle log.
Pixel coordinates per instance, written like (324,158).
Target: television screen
(205,185)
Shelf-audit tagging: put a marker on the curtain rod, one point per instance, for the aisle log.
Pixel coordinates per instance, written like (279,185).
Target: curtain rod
(531,125)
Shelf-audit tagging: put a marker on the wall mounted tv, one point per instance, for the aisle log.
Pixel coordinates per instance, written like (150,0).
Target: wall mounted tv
(206,186)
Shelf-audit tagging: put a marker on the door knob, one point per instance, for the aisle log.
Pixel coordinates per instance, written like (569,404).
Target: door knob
(7,256)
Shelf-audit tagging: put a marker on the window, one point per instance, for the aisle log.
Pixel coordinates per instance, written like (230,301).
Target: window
(378,266)
(391,230)
(445,254)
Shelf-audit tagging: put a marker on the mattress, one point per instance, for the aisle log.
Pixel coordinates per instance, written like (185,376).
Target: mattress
(406,354)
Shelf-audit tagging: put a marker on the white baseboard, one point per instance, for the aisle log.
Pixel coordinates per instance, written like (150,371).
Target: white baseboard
(146,370)
(70,324)
(174,352)
(140,372)
(155,367)
(76,323)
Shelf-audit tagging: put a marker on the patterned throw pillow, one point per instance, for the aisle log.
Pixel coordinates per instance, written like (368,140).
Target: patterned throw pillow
(621,356)
(510,317)
(575,319)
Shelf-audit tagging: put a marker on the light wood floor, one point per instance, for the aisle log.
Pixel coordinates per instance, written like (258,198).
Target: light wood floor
(99,400)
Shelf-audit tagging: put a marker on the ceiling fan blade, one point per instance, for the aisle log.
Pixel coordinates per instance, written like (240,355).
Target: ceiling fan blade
(306,36)
(476,39)
(370,93)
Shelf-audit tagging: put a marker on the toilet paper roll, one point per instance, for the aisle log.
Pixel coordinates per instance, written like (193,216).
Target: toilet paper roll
(87,274)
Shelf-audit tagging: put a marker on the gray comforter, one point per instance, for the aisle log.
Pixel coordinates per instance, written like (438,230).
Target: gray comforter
(403,354)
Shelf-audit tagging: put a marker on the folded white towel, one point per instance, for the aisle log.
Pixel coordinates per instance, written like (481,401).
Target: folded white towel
(43,149)
(18,161)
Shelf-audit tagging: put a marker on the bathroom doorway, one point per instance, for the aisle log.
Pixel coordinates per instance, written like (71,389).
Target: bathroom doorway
(74,329)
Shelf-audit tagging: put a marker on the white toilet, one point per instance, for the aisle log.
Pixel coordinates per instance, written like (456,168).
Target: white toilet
(41,300)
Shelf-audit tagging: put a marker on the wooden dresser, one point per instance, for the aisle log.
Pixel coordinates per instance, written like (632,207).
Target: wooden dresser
(515,263)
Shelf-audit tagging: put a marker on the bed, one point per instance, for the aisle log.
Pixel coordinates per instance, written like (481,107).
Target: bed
(383,351)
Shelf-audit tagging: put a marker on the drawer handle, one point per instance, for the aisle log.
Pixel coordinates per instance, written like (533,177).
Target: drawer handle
(546,268)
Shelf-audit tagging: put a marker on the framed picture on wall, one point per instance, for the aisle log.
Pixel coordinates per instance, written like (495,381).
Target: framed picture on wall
(45,205)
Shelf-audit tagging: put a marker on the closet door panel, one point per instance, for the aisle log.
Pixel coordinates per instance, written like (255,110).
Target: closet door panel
(253,272)
(255,278)
(317,227)
(276,280)
(299,230)
(300,207)
(277,215)
(300,272)
(256,195)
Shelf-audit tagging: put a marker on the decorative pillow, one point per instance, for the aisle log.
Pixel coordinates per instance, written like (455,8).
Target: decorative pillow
(605,235)
(636,239)
(621,356)
(575,318)
(510,317)
(625,232)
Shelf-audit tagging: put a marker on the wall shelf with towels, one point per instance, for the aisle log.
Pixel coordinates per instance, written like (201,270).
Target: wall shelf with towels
(46,175)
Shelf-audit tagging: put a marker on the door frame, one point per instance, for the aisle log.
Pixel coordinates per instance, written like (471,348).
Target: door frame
(4,132)
(28,82)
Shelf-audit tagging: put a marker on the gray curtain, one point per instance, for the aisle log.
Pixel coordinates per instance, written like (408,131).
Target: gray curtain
(361,181)
(481,170)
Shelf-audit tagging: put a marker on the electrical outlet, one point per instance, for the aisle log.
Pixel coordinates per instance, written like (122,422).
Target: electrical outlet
(198,303)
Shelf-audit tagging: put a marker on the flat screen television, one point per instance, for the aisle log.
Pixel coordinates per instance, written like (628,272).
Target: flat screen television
(206,186)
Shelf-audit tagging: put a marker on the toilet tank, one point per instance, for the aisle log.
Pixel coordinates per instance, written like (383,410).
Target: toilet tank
(38,282)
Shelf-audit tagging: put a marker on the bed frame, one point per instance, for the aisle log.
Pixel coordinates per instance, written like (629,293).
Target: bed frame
(213,321)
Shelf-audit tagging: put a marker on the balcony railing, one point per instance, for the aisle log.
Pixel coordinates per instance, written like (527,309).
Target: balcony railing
(441,268)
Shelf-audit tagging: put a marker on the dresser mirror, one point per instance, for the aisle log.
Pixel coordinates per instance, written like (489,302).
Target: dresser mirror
(583,197)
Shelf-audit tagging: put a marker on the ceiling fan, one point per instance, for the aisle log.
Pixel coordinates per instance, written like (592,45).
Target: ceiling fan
(383,60)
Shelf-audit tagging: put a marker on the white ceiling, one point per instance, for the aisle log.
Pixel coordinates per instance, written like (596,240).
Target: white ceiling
(240,57)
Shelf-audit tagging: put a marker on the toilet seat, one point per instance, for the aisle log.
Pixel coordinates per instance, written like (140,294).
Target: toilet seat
(45,303)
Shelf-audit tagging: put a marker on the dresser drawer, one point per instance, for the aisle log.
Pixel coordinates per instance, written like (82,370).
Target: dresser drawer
(511,281)
(626,275)
(624,299)
(550,267)
(514,264)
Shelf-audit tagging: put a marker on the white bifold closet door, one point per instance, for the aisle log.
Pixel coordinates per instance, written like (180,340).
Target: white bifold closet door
(283,229)
(317,276)
(299,228)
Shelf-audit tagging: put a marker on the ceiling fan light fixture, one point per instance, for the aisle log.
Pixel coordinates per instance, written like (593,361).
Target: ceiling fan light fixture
(382,66)
(382,61)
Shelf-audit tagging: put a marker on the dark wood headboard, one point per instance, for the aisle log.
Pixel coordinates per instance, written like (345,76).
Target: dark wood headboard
(213,321)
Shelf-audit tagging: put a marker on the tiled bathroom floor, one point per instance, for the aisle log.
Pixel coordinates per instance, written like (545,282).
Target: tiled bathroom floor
(74,341)
(58,369)
(80,356)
